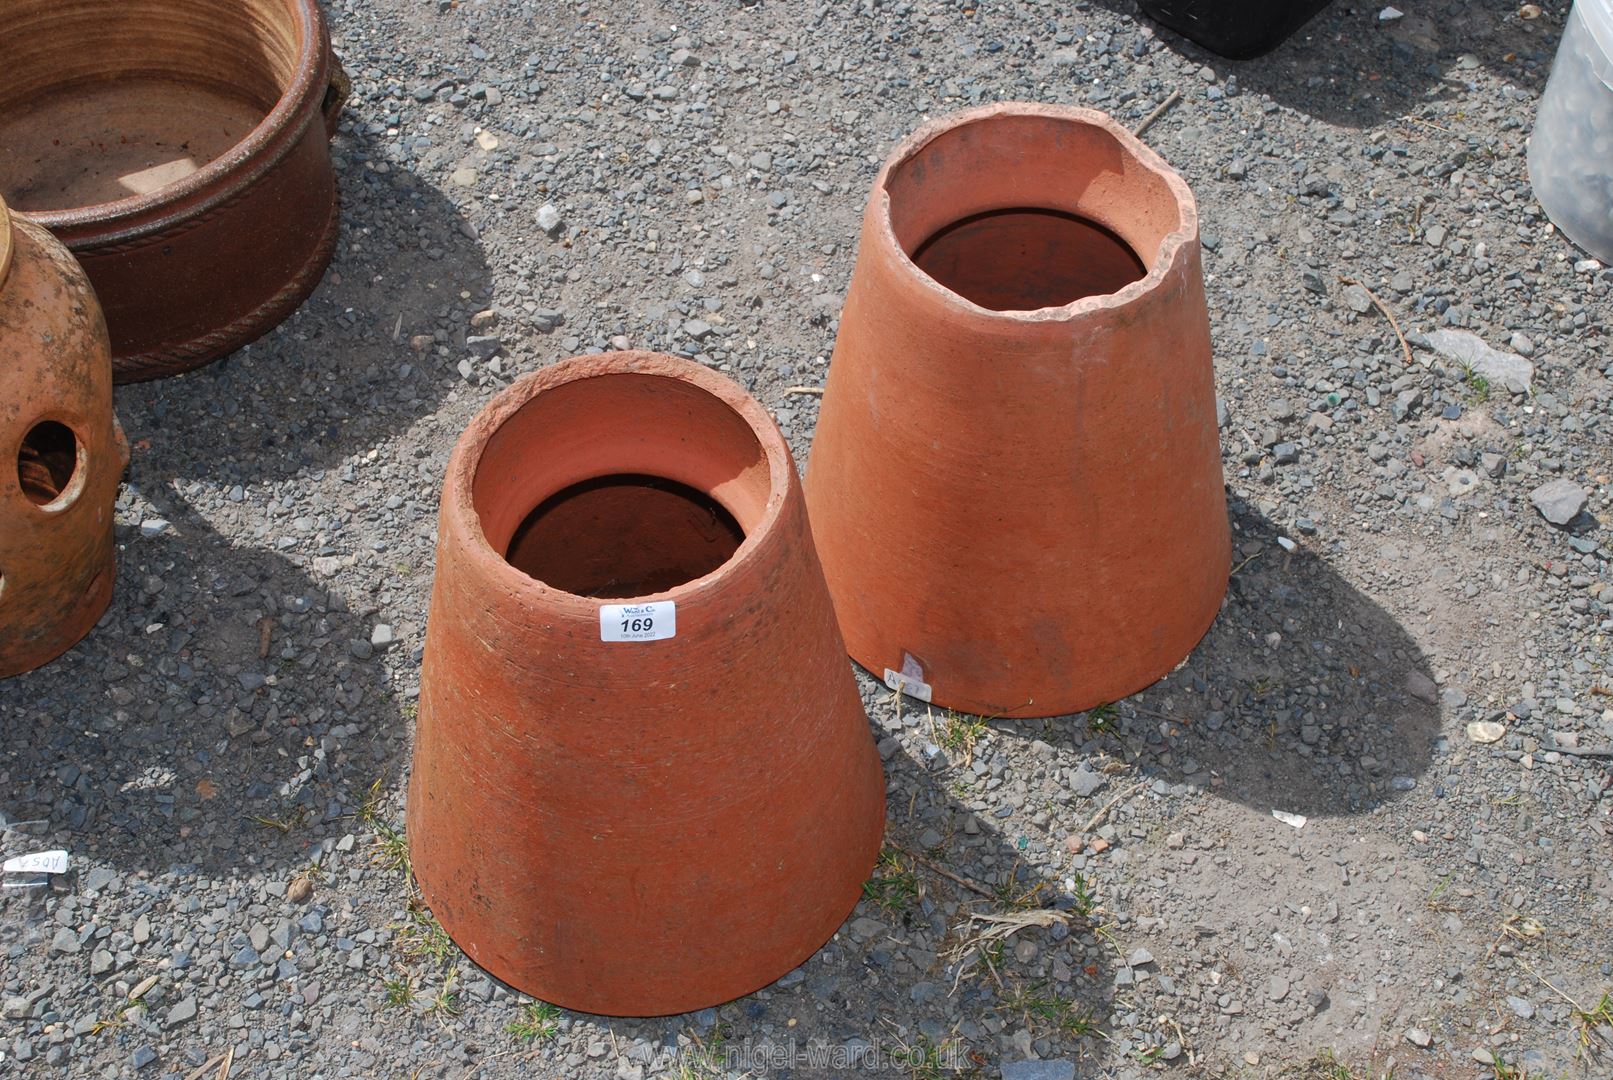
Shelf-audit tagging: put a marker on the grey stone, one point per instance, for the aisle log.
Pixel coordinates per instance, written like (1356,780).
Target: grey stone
(1471,352)
(1559,501)
(1086,782)
(181,1012)
(1423,688)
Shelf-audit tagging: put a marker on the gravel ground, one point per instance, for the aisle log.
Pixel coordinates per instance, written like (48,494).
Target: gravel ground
(1421,546)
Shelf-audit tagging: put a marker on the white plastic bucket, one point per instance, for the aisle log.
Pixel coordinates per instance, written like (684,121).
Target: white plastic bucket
(1571,151)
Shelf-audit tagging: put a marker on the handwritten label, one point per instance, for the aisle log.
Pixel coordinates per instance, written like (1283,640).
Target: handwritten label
(910,680)
(41,862)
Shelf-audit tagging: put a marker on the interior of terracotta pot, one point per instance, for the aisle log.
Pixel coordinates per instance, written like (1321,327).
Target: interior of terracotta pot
(48,462)
(1017,213)
(621,485)
(103,101)
(624,535)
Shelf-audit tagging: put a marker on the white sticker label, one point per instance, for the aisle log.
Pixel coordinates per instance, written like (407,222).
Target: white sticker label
(42,862)
(638,622)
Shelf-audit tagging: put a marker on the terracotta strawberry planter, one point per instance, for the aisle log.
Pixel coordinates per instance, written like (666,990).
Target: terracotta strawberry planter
(180,149)
(61,453)
(643,780)
(1016,482)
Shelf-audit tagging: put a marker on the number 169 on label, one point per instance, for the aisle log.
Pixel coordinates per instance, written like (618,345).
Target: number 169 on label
(638,622)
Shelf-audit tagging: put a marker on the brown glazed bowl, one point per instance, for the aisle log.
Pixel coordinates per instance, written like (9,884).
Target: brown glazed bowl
(1015,483)
(653,825)
(61,453)
(180,149)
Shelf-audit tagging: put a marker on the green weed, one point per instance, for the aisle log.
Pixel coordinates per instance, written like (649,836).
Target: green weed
(538,1022)
(894,885)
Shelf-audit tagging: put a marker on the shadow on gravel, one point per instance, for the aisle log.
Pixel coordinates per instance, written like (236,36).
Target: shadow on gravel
(339,376)
(1347,68)
(218,695)
(1054,978)
(1300,698)
(888,987)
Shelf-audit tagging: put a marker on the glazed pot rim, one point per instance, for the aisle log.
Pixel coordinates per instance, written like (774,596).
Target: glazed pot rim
(217,181)
(458,501)
(1171,246)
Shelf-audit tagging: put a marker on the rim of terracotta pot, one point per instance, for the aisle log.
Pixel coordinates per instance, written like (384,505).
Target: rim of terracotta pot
(1158,267)
(225,175)
(459,492)
(5,240)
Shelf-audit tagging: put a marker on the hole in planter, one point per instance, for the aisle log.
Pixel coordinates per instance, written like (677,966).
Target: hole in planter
(1026,258)
(624,535)
(47,462)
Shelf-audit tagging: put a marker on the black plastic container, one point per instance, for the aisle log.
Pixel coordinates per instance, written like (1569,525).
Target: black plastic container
(1237,29)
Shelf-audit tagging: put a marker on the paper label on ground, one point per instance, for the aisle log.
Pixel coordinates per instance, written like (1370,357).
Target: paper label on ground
(910,680)
(638,622)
